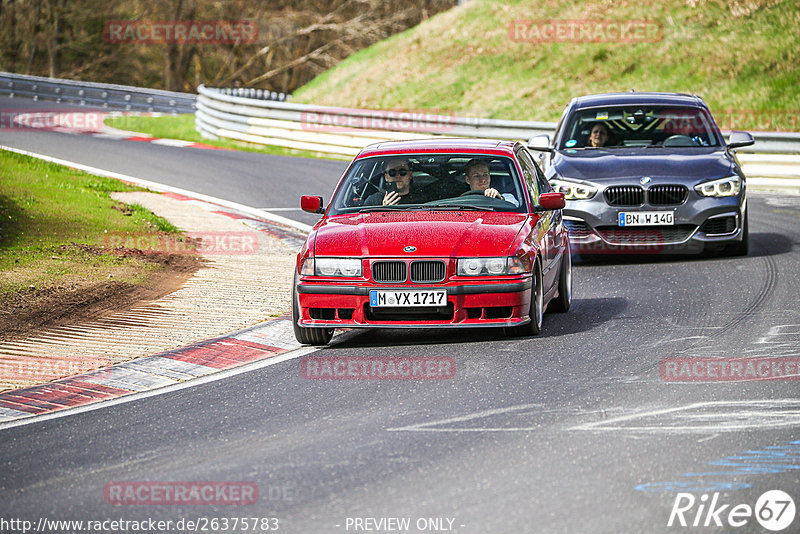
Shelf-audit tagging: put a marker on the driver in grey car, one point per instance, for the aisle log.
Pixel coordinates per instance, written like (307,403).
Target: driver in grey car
(598,137)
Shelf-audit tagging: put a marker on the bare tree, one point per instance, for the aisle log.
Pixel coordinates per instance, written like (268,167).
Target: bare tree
(297,39)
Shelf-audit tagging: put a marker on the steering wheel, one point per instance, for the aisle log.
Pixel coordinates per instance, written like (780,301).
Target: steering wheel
(679,140)
(367,185)
(472,192)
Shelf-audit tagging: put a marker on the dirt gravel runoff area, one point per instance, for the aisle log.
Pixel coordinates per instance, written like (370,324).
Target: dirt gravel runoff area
(220,277)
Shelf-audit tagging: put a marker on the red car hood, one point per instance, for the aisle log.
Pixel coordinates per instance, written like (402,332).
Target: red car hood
(442,233)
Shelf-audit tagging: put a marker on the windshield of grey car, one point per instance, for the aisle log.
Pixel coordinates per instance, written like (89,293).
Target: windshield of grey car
(430,181)
(638,126)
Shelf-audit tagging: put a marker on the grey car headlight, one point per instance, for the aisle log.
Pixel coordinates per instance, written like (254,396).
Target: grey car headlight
(489,266)
(347,267)
(573,190)
(723,187)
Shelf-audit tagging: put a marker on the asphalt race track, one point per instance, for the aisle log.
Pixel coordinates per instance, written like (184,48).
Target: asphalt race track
(575,430)
(243,177)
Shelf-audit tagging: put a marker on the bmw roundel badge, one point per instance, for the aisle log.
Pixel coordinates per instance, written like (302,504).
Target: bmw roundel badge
(410,248)
(644,180)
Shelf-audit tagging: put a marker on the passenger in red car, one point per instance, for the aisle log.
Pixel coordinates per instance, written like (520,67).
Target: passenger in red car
(476,174)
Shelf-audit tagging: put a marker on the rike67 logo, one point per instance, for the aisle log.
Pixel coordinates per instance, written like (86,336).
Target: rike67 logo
(774,510)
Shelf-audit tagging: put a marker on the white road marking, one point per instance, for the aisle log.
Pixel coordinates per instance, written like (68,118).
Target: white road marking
(155,186)
(222,375)
(772,414)
(672,340)
(172,142)
(779,330)
(426,427)
(708,438)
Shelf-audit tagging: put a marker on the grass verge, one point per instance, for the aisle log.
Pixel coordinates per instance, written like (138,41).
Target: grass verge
(182,127)
(53,225)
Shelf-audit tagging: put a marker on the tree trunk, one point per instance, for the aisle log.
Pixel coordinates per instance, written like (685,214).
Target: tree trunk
(37,17)
(56,38)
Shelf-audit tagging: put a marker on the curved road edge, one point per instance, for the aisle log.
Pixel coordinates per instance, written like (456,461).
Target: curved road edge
(254,347)
(162,188)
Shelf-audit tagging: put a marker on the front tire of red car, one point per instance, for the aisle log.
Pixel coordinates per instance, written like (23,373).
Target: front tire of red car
(562,303)
(534,327)
(308,336)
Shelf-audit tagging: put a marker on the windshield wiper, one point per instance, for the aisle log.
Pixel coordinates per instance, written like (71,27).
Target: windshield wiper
(456,207)
(395,207)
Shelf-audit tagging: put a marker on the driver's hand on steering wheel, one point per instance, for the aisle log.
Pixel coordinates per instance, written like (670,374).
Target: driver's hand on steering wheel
(492,193)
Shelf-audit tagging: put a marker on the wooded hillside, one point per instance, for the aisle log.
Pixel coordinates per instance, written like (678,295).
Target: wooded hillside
(296,39)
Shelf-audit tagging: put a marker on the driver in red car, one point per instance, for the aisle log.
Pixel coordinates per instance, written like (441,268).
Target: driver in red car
(401,190)
(476,174)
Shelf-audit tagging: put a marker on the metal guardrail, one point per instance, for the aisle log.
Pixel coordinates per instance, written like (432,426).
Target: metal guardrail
(260,94)
(339,131)
(266,117)
(100,95)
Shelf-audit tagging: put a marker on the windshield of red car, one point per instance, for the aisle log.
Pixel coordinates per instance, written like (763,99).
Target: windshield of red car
(639,126)
(431,181)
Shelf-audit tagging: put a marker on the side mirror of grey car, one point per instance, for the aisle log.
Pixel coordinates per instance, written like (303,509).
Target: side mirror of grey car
(740,139)
(540,143)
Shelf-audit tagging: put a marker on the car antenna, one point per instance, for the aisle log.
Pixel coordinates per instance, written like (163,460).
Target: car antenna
(633,90)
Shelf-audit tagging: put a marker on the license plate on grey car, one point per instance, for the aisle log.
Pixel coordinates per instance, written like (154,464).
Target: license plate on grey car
(646,218)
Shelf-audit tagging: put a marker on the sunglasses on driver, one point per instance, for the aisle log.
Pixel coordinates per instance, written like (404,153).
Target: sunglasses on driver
(402,171)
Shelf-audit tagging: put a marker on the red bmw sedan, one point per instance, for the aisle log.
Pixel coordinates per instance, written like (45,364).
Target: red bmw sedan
(434,233)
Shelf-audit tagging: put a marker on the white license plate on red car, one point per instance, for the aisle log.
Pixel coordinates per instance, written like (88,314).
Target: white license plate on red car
(407,298)
(646,218)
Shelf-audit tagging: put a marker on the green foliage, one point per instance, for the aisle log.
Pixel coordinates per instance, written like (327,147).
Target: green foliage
(737,56)
(52,217)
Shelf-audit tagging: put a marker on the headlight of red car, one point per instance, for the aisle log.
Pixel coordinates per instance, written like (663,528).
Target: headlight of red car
(489,266)
(344,267)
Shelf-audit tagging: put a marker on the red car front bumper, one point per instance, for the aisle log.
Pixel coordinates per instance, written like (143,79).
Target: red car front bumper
(494,303)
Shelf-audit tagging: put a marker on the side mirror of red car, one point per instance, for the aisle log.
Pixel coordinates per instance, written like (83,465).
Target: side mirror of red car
(552,201)
(311,204)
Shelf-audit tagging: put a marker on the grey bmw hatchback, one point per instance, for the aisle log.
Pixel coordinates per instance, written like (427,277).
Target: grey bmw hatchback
(647,173)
